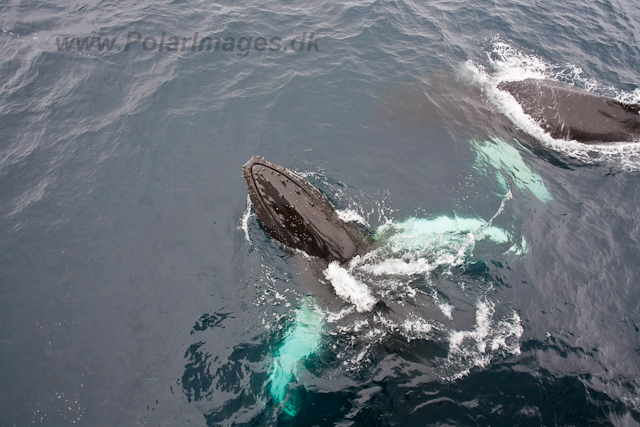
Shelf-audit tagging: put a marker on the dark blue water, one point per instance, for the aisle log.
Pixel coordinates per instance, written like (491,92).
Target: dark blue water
(132,292)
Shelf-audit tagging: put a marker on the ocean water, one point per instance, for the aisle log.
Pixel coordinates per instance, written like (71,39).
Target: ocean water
(137,287)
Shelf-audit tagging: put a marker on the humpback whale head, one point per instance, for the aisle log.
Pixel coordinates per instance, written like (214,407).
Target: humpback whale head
(295,213)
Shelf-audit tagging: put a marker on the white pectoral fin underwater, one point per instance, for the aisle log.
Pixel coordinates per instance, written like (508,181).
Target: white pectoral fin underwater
(507,163)
(301,340)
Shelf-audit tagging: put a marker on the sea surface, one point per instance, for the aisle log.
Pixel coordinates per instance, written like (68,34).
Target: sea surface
(138,289)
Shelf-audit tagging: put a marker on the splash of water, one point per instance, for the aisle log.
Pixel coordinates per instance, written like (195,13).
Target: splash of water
(349,288)
(244,223)
(476,347)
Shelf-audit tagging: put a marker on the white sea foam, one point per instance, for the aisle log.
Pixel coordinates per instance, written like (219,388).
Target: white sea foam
(490,337)
(350,289)
(445,307)
(350,215)
(507,63)
(334,317)
(244,223)
(401,267)
(416,328)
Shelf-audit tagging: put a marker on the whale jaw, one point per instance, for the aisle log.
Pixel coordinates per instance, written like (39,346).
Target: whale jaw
(295,213)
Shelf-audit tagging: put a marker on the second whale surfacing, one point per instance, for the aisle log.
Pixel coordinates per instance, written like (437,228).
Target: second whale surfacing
(566,112)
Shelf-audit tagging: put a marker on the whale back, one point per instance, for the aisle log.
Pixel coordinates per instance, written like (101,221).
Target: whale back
(566,112)
(295,213)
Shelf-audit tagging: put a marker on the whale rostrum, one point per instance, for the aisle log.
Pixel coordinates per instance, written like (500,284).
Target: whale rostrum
(295,213)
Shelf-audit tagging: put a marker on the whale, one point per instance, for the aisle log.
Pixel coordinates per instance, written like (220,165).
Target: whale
(569,113)
(295,213)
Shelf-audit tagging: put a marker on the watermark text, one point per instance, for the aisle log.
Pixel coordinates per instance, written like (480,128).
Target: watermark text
(134,40)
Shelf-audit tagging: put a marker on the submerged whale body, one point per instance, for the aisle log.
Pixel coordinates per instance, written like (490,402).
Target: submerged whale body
(295,213)
(566,112)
